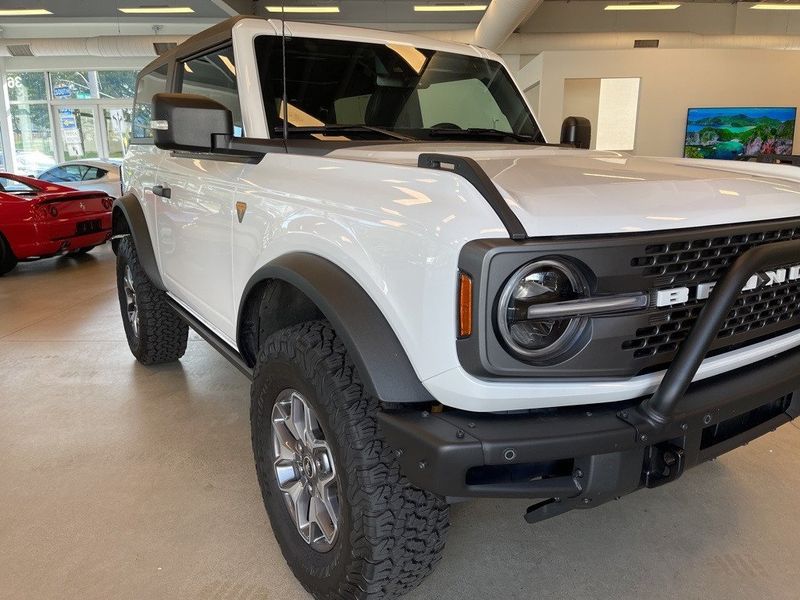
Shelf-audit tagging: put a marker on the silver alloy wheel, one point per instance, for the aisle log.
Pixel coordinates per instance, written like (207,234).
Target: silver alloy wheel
(305,471)
(131,306)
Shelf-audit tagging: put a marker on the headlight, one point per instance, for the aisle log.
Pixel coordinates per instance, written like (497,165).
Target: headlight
(540,283)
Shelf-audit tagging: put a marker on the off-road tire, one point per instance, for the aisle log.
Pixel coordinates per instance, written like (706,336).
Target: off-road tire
(7,259)
(162,334)
(391,534)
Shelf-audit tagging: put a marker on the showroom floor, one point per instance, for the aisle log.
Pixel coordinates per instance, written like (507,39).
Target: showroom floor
(120,481)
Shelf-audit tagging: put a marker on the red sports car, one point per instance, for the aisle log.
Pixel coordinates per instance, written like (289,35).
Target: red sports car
(39,219)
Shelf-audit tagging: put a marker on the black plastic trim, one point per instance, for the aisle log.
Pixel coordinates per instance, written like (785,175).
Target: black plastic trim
(371,342)
(436,450)
(127,207)
(212,338)
(470,170)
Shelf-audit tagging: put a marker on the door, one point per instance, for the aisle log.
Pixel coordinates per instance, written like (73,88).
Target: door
(195,210)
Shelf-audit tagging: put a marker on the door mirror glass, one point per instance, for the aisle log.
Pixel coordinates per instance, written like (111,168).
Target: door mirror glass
(189,122)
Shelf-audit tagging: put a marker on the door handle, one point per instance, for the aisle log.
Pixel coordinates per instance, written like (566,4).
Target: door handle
(163,191)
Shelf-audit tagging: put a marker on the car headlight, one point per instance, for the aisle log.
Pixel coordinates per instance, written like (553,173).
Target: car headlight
(540,283)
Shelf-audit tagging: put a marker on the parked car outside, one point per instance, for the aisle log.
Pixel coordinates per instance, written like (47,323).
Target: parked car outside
(100,175)
(39,219)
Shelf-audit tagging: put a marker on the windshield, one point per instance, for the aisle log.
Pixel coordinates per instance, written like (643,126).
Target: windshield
(360,89)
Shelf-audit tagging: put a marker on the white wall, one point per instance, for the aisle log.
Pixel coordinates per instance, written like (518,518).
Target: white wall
(671,82)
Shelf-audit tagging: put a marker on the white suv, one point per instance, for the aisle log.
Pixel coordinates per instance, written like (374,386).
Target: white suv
(431,301)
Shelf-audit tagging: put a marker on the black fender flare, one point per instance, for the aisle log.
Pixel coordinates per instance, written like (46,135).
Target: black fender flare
(128,208)
(372,344)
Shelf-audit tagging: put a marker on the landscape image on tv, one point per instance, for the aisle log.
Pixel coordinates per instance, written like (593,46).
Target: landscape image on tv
(728,133)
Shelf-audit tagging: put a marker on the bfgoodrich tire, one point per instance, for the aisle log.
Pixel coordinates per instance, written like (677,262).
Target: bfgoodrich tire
(363,531)
(156,334)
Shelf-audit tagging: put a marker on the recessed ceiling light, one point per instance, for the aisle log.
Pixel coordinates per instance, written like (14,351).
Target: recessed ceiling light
(775,6)
(303,9)
(157,10)
(642,6)
(24,12)
(449,7)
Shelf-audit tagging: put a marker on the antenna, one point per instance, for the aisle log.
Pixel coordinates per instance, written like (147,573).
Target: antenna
(283,67)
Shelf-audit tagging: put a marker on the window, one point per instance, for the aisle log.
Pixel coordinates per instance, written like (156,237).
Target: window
(150,84)
(15,187)
(26,87)
(93,173)
(214,76)
(116,84)
(334,82)
(33,137)
(74,85)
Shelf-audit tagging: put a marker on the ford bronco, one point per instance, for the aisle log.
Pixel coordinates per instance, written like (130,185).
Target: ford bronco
(433,303)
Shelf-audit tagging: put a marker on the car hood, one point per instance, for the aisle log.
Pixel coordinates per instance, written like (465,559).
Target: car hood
(563,191)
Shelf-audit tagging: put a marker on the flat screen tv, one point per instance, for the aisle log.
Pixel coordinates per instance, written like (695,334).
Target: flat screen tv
(729,133)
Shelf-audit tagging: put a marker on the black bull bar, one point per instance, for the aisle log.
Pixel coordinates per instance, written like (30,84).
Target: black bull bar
(580,457)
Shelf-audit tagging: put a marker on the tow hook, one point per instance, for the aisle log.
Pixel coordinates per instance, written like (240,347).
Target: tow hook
(663,463)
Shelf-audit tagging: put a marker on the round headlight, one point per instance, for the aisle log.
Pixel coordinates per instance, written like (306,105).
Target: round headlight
(537,283)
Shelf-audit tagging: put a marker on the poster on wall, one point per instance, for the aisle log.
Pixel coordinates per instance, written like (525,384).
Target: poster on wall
(731,133)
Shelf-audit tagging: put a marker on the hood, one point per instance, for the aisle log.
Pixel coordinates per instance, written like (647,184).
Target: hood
(563,191)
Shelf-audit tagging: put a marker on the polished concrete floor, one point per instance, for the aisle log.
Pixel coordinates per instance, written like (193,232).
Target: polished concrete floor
(120,481)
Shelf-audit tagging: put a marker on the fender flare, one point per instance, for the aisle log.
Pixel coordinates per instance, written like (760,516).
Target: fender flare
(382,363)
(127,207)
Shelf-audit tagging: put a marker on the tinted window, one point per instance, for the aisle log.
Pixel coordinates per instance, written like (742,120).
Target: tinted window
(64,173)
(93,173)
(153,83)
(335,82)
(214,76)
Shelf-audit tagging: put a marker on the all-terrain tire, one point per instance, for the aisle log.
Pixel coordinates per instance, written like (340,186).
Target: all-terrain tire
(161,335)
(391,534)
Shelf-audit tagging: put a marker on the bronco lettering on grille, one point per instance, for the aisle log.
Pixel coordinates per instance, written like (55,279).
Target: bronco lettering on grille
(702,291)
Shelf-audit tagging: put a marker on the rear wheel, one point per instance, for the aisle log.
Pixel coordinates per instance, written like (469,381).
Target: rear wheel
(155,332)
(349,524)
(7,259)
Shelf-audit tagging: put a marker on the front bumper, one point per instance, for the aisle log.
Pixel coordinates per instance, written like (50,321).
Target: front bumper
(584,456)
(581,457)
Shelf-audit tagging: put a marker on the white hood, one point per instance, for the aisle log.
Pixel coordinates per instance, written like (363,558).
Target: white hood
(562,191)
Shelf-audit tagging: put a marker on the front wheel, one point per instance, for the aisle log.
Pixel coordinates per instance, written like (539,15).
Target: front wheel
(155,332)
(348,522)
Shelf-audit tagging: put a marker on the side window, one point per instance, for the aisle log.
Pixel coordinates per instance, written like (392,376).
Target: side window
(52,175)
(74,172)
(214,76)
(148,85)
(93,173)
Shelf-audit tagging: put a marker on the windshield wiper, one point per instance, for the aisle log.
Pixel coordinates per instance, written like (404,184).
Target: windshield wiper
(350,128)
(481,132)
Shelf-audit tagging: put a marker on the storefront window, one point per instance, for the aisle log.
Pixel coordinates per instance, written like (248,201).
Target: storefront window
(26,87)
(117,84)
(78,136)
(33,138)
(74,85)
(117,122)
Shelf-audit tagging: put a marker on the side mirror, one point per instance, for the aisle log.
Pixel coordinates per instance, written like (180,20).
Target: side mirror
(189,122)
(577,131)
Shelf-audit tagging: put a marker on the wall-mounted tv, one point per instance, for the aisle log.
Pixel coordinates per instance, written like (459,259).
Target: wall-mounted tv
(728,133)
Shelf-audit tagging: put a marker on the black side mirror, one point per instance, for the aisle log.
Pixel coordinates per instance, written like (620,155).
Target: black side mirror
(189,122)
(577,131)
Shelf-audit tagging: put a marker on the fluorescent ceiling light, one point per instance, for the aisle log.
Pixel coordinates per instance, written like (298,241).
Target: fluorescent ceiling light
(24,12)
(449,7)
(157,10)
(303,9)
(642,6)
(775,6)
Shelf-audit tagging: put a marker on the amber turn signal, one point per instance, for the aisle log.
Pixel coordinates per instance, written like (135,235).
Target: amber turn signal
(464,305)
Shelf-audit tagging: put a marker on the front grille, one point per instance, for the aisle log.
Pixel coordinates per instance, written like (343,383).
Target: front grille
(705,259)
(760,311)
